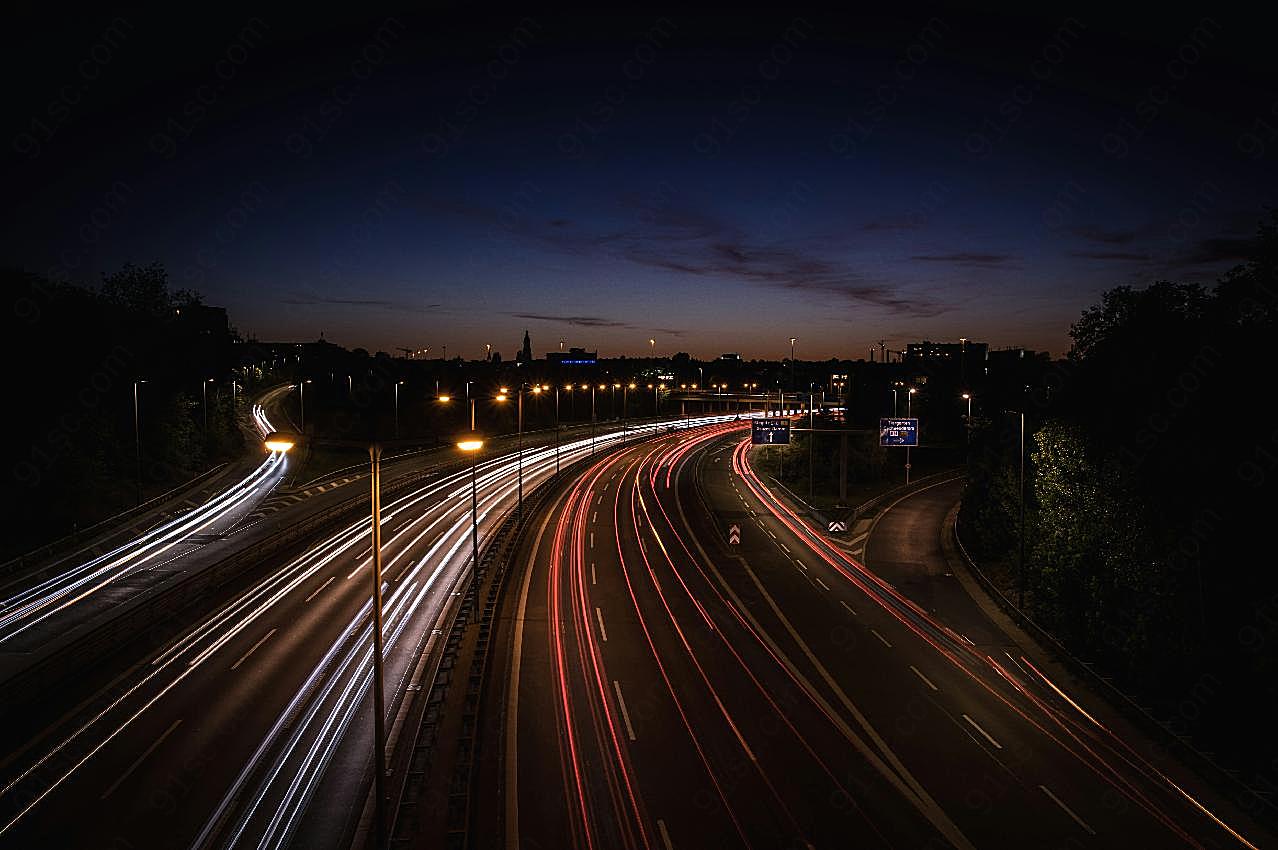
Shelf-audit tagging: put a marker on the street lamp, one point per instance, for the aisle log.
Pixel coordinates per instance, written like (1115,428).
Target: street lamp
(471,446)
(625,403)
(301,388)
(397,383)
(137,435)
(909,399)
(204,388)
(793,340)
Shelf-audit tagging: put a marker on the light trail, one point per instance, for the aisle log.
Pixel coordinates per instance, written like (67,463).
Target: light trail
(79,584)
(954,648)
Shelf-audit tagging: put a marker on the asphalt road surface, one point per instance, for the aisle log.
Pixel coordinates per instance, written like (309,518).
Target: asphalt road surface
(229,734)
(666,688)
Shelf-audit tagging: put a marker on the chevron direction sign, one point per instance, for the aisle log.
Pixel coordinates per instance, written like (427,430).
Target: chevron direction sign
(734,534)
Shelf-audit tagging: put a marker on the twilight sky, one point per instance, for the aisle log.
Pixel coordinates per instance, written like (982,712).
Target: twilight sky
(718,182)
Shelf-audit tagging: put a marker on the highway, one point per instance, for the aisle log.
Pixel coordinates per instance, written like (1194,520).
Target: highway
(33,613)
(661,687)
(227,736)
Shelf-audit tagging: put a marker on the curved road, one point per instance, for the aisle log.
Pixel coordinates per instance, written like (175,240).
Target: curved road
(667,688)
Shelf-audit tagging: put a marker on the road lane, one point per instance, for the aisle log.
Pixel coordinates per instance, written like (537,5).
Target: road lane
(758,694)
(262,719)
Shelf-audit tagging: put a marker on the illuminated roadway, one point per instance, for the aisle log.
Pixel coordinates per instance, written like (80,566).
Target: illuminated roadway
(226,736)
(655,686)
(34,613)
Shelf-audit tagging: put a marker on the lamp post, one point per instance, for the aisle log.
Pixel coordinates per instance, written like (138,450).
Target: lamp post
(793,340)
(204,389)
(592,418)
(379,696)
(301,388)
(625,404)
(472,447)
(811,439)
(283,442)
(137,435)
(909,399)
(397,383)
(520,438)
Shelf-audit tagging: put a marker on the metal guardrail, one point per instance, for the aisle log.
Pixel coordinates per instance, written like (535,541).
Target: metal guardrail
(1163,732)
(495,561)
(41,553)
(150,610)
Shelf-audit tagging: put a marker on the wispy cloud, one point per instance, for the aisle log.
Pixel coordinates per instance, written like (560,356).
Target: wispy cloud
(682,239)
(1218,250)
(1110,255)
(1093,233)
(374,303)
(967,258)
(592,322)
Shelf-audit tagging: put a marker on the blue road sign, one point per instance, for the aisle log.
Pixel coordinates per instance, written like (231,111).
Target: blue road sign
(770,432)
(898,432)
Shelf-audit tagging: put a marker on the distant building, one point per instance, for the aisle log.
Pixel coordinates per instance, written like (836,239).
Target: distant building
(941,352)
(730,357)
(525,353)
(573,357)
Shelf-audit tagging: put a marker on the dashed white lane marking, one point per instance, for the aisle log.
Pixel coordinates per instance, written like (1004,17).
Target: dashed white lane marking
(1067,810)
(849,607)
(321,587)
(594,517)
(925,679)
(784,548)
(625,713)
(252,649)
(602,630)
(824,586)
(770,534)
(592,540)
(599,501)
(987,735)
(880,637)
(592,573)
(152,748)
(799,564)
(665,836)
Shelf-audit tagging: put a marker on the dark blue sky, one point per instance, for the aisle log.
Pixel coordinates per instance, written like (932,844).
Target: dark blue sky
(718,182)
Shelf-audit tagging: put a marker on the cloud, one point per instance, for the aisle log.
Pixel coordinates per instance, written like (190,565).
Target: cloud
(967,258)
(1110,255)
(1218,250)
(376,303)
(1107,237)
(673,237)
(592,322)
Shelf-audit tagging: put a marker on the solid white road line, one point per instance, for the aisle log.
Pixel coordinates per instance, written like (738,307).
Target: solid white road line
(151,749)
(321,587)
(252,649)
(665,836)
(1067,810)
(602,630)
(625,713)
(987,735)
(885,641)
(925,679)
